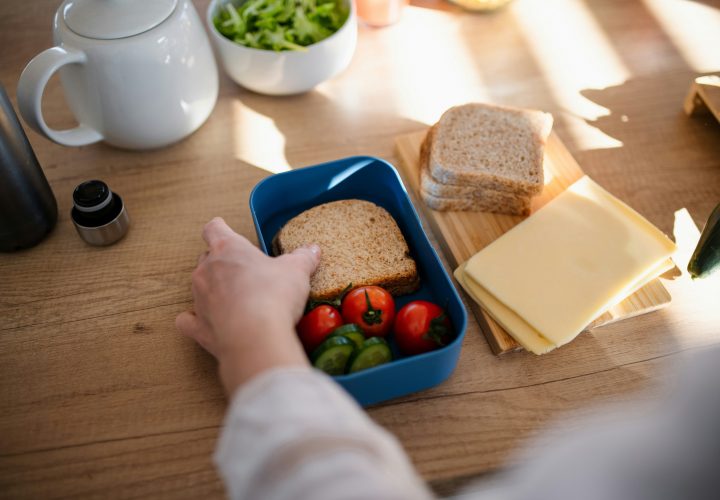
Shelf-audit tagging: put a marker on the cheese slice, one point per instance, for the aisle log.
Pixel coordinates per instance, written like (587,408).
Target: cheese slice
(524,334)
(566,264)
(519,329)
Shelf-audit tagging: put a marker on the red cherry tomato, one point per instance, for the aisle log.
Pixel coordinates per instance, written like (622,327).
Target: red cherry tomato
(421,326)
(371,307)
(318,324)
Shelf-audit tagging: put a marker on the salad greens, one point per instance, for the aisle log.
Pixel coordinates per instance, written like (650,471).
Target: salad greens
(280,24)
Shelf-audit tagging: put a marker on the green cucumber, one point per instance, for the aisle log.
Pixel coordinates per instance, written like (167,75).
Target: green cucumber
(333,354)
(375,351)
(352,332)
(706,257)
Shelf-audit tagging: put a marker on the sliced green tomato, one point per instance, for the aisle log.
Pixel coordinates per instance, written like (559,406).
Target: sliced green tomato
(352,332)
(333,354)
(375,351)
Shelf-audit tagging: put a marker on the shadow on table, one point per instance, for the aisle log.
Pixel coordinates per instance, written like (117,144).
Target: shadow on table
(663,150)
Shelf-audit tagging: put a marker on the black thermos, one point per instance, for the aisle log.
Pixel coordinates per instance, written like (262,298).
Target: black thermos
(28,210)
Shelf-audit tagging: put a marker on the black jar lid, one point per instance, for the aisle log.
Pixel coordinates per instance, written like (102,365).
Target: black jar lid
(91,196)
(99,214)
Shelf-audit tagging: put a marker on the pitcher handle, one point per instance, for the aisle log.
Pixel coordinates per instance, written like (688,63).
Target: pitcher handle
(30,90)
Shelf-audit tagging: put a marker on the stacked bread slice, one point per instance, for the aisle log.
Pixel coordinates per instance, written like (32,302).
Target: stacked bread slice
(486,158)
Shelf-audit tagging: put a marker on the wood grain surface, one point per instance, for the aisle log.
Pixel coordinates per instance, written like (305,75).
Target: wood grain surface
(101,398)
(463,234)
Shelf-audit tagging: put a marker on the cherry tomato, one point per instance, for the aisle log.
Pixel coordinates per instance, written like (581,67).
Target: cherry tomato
(318,324)
(421,326)
(371,307)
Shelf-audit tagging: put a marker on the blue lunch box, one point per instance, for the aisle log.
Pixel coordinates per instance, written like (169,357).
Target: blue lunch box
(280,197)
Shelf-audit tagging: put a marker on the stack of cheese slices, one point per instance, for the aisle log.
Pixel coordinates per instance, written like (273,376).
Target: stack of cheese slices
(486,158)
(551,275)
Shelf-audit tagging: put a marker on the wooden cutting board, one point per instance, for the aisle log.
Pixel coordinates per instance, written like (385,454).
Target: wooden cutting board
(462,234)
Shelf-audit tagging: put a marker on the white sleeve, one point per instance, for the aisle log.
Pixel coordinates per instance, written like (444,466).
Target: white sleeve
(293,433)
(660,450)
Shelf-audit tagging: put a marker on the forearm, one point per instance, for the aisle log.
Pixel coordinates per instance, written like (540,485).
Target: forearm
(266,343)
(292,433)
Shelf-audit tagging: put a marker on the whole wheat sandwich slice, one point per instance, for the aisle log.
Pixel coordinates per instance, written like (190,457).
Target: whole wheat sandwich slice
(446,197)
(484,157)
(361,245)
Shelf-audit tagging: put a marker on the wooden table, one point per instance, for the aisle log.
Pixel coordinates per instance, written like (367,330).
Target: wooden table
(100,396)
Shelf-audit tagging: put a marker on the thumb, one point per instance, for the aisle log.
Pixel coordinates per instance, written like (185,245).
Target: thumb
(215,231)
(305,258)
(190,325)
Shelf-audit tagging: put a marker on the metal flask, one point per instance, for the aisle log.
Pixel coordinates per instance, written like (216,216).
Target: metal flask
(28,210)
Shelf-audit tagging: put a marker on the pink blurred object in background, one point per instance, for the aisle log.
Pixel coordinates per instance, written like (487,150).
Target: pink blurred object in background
(380,13)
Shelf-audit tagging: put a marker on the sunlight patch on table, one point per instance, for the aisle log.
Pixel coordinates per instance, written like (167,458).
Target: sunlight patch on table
(698,310)
(694,28)
(433,67)
(573,54)
(586,136)
(256,140)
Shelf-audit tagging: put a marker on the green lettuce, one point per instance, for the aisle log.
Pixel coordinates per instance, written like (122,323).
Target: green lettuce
(280,24)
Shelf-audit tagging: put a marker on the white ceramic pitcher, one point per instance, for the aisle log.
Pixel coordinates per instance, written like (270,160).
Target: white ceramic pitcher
(137,74)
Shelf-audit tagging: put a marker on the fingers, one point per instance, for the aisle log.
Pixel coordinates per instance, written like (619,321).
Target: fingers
(306,258)
(188,323)
(216,231)
(202,257)
(191,326)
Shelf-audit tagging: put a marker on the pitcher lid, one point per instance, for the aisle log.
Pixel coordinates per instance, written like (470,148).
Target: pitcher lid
(111,19)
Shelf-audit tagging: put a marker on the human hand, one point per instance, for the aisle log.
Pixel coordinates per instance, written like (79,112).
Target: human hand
(247,304)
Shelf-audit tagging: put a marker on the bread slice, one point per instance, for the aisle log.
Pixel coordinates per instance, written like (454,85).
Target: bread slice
(516,206)
(361,244)
(431,186)
(489,146)
(444,197)
(437,188)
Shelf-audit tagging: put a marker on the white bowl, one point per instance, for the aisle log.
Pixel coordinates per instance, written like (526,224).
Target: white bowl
(287,72)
